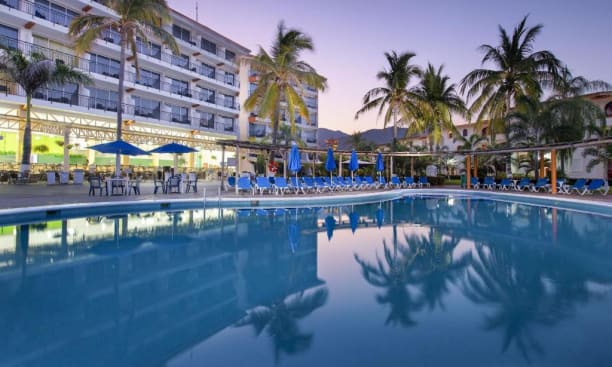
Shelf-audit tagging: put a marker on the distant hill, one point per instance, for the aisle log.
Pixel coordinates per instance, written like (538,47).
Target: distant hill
(376,136)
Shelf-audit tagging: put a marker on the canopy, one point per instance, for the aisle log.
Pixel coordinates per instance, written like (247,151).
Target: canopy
(173,148)
(118,147)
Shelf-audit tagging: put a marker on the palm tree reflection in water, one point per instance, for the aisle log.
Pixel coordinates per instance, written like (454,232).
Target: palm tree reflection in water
(280,320)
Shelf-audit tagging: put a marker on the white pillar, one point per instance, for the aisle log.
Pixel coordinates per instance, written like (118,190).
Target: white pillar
(66,166)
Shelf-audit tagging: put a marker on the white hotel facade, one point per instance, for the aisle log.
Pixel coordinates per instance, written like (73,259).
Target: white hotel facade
(192,98)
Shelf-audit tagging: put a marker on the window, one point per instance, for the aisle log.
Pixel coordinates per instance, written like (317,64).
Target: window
(207,120)
(180,60)
(483,132)
(230,56)
(464,132)
(208,71)
(311,102)
(257,130)
(10,3)
(450,135)
(209,46)
(66,93)
(149,49)
(179,87)
(111,35)
(103,99)
(146,107)
(230,78)
(608,109)
(8,36)
(252,87)
(181,33)
(149,79)
(207,95)
(228,101)
(54,13)
(179,114)
(228,123)
(104,65)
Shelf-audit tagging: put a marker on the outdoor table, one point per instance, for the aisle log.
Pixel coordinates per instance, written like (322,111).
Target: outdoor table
(120,180)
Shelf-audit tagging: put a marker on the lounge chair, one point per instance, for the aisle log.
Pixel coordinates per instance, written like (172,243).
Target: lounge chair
(297,185)
(338,183)
(263,184)
(280,183)
(309,184)
(395,182)
(475,182)
(541,184)
(244,184)
(409,182)
(231,183)
(321,185)
(505,184)
(578,186)
(369,180)
(382,182)
(424,182)
(360,183)
(95,183)
(523,184)
(488,182)
(596,185)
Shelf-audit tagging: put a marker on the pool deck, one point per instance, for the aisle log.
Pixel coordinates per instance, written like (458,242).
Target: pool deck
(42,195)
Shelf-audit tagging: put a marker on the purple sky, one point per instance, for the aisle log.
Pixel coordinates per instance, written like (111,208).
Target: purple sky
(351,36)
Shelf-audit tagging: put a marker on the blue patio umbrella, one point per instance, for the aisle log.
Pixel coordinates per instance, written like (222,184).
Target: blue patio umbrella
(330,163)
(380,217)
(330,224)
(353,163)
(174,148)
(295,162)
(380,165)
(354,220)
(118,147)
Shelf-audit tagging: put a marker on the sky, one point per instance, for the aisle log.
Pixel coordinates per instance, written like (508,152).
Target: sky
(350,38)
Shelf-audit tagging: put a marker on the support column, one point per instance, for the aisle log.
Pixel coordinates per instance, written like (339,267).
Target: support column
(553,171)
(19,145)
(468,175)
(412,166)
(223,160)
(155,158)
(191,161)
(340,166)
(542,173)
(390,167)
(66,166)
(475,166)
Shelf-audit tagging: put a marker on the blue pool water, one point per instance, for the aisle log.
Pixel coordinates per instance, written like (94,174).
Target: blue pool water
(421,281)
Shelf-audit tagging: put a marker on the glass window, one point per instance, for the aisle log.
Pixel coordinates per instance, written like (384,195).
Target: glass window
(179,87)
(180,60)
(207,95)
(208,71)
(207,120)
(148,48)
(252,87)
(111,35)
(66,93)
(103,99)
(228,123)
(257,130)
(464,132)
(209,46)
(149,79)
(228,101)
(230,56)
(104,65)
(10,3)
(230,78)
(179,114)
(53,12)
(181,33)
(8,36)
(146,107)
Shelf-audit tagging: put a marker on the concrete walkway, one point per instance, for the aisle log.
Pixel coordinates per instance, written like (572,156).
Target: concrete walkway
(39,194)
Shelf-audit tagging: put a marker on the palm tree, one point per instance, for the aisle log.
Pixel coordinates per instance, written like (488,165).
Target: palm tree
(437,102)
(134,19)
(32,73)
(395,96)
(281,76)
(599,154)
(570,86)
(473,142)
(518,72)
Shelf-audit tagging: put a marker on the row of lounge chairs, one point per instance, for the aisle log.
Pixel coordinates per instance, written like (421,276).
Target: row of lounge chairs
(280,185)
(542,185)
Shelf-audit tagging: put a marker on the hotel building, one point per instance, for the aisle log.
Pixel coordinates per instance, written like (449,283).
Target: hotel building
(192,97)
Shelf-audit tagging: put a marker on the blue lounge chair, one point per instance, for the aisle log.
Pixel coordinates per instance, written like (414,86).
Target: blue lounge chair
(475,182)
(244,184)
(382,182)
(540,185)
(296,184)
(280,183)
(505,184)
(423,181)
(523,184)
(395,182)
(596,185)
(330,182)
(231,183)
(370,182)
(321,185)
(263,184)
(578,186)
(409,182)
(338,183)
(488,182)
(309,184)
(360,183)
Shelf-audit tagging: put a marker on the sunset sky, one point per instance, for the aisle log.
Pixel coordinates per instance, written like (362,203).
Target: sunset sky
(351,36)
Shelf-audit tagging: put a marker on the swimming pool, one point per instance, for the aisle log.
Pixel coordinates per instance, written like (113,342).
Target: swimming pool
(423,280)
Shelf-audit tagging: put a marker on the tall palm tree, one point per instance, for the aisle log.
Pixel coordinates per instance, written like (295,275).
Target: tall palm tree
(437,101)
(134,19)
(473,142)
(33,72)
(518,71)
(281,76)
(570,86)
(394,99)
(599,154)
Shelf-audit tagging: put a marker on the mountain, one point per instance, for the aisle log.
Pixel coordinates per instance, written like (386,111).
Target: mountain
(377,136)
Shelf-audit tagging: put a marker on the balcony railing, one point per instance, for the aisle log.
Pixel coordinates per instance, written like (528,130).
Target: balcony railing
(103,104)
(41,11)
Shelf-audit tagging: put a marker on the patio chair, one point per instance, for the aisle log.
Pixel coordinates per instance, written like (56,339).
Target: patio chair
(309,184)
(280,183)
(338,183)
(395,182)
(424,182)
(505,184)
(475,182)
(350,184)
(95,183)
(382,182)
(158,184)
(263,184)
(244,184)
(231,183)
(361,183)
(173,186)
(578,186)
(296,184)
(192,182)
(523,184)
(541,184)
(596,185)
(369,180)
(409,182)
(134,187)
(488,183)
(117,187)
(321,184)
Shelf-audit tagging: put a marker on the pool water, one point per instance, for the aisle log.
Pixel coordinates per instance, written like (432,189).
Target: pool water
(423,281)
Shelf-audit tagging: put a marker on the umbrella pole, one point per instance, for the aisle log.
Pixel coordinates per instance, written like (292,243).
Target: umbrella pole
(117,164)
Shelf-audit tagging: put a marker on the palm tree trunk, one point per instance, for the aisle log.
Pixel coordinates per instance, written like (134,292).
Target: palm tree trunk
(27,136)
(120,101)
(276,125)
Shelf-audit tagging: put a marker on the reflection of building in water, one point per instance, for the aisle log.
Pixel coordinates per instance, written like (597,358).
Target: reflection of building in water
(137,294)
